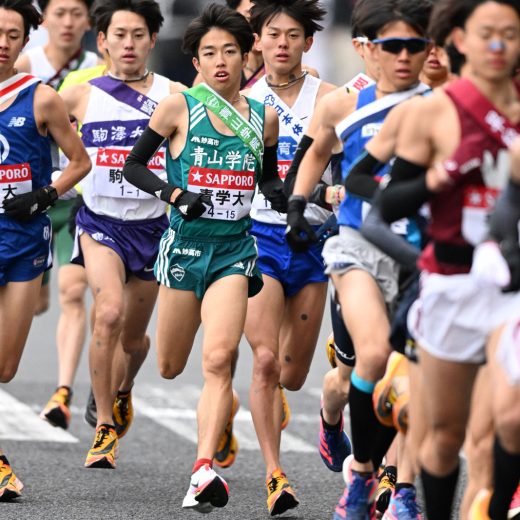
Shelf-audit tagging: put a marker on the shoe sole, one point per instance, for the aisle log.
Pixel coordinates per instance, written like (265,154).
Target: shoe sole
(283,503)
(102,463)
(215,493)
(56,418)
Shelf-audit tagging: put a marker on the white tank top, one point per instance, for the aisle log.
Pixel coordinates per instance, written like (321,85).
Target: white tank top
(293,124)
(109,129)
(41,68)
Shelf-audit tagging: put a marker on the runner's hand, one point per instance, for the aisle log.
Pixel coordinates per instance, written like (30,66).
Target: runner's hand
(273,191)
(299,233)
(27,205)
(191,205)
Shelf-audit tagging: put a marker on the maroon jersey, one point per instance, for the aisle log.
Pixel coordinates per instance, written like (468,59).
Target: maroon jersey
(479,169)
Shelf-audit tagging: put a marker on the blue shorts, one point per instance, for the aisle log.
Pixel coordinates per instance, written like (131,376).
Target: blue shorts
(277,260)
(25,249)
(136,242)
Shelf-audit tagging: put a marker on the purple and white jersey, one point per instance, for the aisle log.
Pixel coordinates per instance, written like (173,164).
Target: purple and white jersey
(115,118)
(293,122)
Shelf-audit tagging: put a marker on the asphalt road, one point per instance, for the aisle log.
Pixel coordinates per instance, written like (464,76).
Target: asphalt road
(156,456)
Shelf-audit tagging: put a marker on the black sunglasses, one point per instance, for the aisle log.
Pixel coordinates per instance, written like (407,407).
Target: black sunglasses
(396,45)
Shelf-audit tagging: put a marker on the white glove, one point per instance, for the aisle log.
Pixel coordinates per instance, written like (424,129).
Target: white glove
(68,195)
(489,266)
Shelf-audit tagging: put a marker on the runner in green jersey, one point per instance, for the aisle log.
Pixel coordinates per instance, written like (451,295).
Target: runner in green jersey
(221,145)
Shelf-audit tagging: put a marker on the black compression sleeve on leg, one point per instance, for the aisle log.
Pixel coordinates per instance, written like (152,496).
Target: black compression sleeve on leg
(290,178)
(342,338)
(439,493)
(363,423)
(383,438)
(135,169)
(506,477)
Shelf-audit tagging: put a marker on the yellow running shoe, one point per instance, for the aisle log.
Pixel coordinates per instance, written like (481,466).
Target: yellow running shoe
(10,486)
(286,409)
(103,453)
(57,410)
(228,446)
(393,385)
(480,505)
(386,486)
(331,351)
(123,412)
(280,494)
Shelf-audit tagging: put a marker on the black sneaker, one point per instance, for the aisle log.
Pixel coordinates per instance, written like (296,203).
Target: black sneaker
(91,410)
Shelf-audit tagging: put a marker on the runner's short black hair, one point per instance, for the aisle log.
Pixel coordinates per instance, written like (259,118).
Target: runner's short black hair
(220,17)
(306,12)
(31,17)
(450,14)
(148,9)
(371,17)
(43,4)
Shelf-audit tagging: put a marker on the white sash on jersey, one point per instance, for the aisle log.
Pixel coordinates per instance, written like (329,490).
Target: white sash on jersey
(291,122)
(15,84)
(353,121)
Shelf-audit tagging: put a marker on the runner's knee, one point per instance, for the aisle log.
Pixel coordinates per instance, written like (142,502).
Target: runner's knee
(109,314)
(217,362)
(293,377)
(266,365)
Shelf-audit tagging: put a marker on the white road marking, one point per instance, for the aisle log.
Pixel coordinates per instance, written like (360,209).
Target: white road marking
(176,411)
(19,423)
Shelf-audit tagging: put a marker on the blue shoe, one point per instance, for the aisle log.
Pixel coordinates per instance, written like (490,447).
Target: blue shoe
(403,506)
(358,500)
(334,446)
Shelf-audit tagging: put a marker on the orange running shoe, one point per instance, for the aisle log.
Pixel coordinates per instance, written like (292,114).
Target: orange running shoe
(103,453)
(10,486)
(228,446)
(280,495)
(331,351)
(393,385)
(480,506)
(57,410)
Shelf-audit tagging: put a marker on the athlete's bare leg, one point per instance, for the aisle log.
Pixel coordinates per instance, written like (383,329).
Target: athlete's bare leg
(478,446)
(72,323)
(17,303)
(446,411)
(336,386)
(43,299)
(223,314)
(265,314)
(106,278)
(299,333)
(416,416)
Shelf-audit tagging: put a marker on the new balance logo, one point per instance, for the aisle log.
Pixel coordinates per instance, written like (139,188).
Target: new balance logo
(17,121)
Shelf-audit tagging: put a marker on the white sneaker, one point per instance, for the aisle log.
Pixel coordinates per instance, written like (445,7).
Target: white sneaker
(207,490)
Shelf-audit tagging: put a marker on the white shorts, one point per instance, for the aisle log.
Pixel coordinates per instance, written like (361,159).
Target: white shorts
(350,250)
(454,315)
(508,350)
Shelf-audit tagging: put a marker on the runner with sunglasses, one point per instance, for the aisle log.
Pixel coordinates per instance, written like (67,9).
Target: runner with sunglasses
(463,132)
(353,263)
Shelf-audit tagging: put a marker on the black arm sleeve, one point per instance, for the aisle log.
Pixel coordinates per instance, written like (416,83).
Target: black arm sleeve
(270,165)
(290,178)
(505,219)
(360,180)
(135,169)
(377,231)
(405,193)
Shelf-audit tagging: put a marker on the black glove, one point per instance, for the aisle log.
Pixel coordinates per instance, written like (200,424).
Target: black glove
(273,191)
(511,252)
(299,233)
(192,205)
(27,205)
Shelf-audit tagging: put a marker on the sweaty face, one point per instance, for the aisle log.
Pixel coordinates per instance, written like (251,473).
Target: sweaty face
(220,60)
(398,71)
(491,41)
(282,43)
(128,43)
(67,21)
(11,38)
